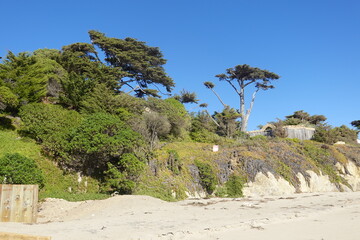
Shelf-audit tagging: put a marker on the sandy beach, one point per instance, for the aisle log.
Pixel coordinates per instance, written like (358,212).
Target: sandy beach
(315,216)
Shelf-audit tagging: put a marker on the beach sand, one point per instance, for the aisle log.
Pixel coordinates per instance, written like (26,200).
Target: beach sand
(317,216)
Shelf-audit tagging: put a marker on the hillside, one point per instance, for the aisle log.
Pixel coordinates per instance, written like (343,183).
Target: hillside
(266,166)
(58,184)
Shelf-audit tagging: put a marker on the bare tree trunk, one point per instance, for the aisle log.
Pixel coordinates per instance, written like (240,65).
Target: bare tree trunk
(242,106)
(217,124)
(245,119)
(218,97)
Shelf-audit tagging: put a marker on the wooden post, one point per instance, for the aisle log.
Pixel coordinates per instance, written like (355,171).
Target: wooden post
(18,203)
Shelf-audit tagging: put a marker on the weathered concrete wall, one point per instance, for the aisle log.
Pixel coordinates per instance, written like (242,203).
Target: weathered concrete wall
(302,133)
(299,132)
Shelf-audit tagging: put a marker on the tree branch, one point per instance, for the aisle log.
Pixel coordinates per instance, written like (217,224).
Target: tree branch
(217,124)
(252,102)
(249,83)
(218,97)
(168,94)
(133,89)
(233,86)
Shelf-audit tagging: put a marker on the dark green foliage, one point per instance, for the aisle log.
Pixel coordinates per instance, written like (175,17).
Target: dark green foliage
(18,169)
(49,124)
(345,134)
(99,139)
(123,176)
(209,85)
(301,117)
(131,166)
(317,119)
(32,77)
(326,134)
(116,181)
(234,186)
(52,54)
(292,121)
(85,71)
(356,124)
(82,144)
(207,176)
(142,64)
(227,122)
(131,104)
(75,88)
(7,98)
(101,99)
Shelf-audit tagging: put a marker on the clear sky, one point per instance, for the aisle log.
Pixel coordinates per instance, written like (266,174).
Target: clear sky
(314,45)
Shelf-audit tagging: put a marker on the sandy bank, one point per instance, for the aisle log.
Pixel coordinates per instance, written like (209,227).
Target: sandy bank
(300,216)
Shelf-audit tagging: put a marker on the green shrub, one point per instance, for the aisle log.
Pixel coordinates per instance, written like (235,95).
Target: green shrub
(173,163)
(204,136)
(221,191)
(234,186)
(18,169)
(99,139)
(7,98)
(207,176)
(49,125)
(131,166)
(326,134)
(175,113)
(117,181)
(259,137)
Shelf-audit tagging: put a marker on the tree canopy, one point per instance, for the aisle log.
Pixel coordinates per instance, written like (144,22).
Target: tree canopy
(142,65)
(242,76)
(356,124)
(302,117)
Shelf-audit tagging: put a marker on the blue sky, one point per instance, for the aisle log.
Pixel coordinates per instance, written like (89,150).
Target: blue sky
(313,45)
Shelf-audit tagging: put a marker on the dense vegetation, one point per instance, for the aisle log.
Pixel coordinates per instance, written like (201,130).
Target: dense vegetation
(81,127)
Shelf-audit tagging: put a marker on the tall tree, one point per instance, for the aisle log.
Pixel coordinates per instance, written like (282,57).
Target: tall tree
(142,64)
(242,76)
(85,70)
